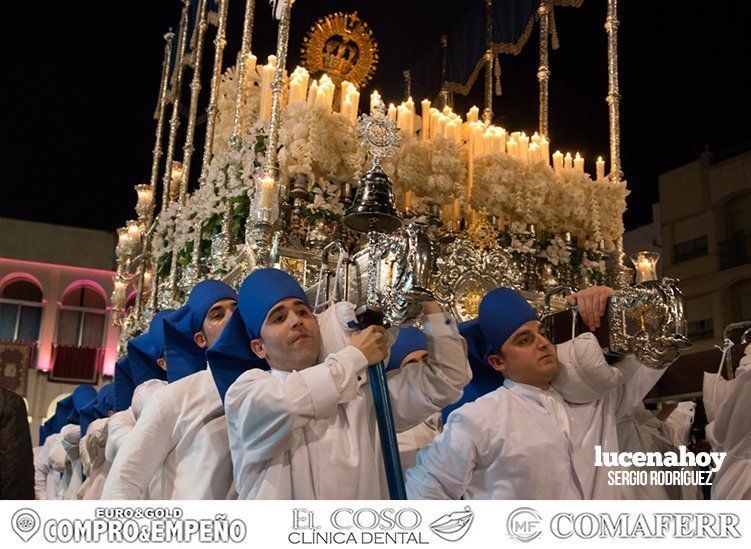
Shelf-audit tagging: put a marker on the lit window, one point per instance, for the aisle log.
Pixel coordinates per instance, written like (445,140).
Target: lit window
(81,322)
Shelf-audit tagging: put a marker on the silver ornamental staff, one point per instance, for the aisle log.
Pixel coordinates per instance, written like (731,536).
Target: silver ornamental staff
(195,88)
(192,272)
(220,41)
(444,93)
(175,98)
(258,240)
(487,113)
(235,139)
(195,91)
(156,157)
(160,111)
(621,275)
(543,71)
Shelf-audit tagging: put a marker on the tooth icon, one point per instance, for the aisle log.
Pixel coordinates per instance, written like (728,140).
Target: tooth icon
(25,523)
(454,526)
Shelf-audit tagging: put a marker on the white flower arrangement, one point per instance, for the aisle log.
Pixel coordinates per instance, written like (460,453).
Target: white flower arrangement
(326,202)
(433,170)
(225,105)
(555,202)
(557,252)
(317,143)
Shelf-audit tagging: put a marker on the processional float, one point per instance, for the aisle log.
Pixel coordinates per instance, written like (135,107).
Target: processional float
(430,207)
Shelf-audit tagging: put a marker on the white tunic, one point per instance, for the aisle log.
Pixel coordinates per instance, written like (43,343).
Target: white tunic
(312,434)
(416,438)
(58,474)
(95,466)
(41,468)
(521,442)
(731,432)
(642,431)
(71,442)
(183,433)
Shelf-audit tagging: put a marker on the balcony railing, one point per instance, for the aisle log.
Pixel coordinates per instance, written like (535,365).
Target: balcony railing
(736,251)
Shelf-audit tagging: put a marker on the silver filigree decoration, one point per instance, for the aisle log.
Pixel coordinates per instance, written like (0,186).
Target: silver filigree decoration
(378,135)
(466,273)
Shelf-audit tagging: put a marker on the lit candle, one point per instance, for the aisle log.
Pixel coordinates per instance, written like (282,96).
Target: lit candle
(426,114)
(354,96)
(512,147)
(545,150)
(267,192)
(568,161)
(267,77)
(375,98)
(410,104)
(502,138)
(475,137)
(557,161)
(524,147)
(534,153)
(473,114)
(401,117)
(392,113)
(313,92)
(321,96)
(433,122)
(251,66)
(452,130)
(579,163)
(600,165)
(536,138)
(440,124)
(346,108)
(646,266)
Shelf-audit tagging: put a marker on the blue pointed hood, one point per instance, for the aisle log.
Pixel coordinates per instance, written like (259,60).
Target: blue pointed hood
(184,357)
(230,356)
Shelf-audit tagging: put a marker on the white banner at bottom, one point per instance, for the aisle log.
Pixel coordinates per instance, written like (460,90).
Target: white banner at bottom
(439,524)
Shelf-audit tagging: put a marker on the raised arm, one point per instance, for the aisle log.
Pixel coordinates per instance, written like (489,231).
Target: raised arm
(421,389)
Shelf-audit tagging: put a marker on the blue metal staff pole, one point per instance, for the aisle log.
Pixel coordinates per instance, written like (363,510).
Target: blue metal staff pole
(386,429)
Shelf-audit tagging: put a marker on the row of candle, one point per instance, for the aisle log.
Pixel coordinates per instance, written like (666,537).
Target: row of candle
(567,162)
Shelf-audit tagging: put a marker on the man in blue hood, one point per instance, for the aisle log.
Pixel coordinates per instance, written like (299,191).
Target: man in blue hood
(523,439)
(299,410)
(181,436)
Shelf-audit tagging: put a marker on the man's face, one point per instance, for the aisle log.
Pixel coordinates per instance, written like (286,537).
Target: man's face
(290,337)
(214,322)
(528,356)
(415,356)
(162,362)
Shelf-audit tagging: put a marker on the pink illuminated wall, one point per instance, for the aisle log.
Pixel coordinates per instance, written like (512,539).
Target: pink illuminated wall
(55,281)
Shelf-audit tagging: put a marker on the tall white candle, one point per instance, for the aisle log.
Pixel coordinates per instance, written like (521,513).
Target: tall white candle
(557,161)
(578,163)
(375,98)
(568,162)
(545,150)
(600,166)
(392,113)
(425,113)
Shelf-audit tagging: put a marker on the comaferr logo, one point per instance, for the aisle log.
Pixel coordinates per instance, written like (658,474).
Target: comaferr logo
(453,526)
(524,524)
(644,525)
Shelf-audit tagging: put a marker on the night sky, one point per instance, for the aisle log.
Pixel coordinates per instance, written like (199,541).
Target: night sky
(81,83)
